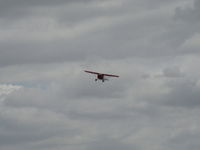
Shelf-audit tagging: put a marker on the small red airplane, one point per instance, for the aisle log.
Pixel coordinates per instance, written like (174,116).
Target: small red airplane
(101,76)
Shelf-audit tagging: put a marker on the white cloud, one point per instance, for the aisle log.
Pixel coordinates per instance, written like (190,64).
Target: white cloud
(6,89)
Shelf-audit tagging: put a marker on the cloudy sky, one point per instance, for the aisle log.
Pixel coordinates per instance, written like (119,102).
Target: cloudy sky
(47,102)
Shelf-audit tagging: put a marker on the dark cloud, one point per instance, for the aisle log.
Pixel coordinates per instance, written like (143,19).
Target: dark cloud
(172,72)
(84,31)
(184,26)
(9,5)
(183,94)
(110,144)
(24,126)
(188,14)
(185,139)
(22,8)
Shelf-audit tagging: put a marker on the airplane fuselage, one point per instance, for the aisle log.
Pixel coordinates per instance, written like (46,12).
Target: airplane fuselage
(100,77)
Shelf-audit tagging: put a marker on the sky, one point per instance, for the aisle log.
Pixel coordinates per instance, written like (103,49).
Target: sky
(48,102)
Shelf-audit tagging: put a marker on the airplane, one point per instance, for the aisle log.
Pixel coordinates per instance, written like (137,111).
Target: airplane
(101,76)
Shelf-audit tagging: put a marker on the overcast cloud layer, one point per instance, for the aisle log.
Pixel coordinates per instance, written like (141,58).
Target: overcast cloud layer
(47,102)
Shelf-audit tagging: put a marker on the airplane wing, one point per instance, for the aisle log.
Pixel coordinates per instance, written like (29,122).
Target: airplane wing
(92,72)
(110,75)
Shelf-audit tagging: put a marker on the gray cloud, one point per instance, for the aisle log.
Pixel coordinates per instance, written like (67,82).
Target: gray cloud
(16,8)
(25,126)
(96,33)
(183,94)
(110,144)
(173,72)
(153,47)
(184,26)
